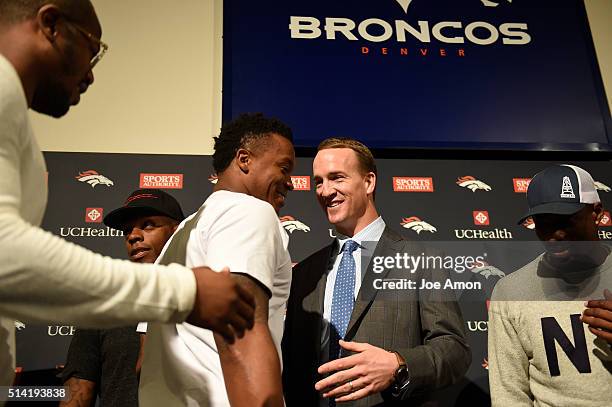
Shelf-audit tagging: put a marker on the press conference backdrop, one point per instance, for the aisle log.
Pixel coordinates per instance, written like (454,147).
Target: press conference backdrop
(434,73)
(434,200)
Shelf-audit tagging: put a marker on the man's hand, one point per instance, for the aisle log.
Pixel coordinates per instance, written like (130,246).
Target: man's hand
(221,304)
(598,316)
(370,370)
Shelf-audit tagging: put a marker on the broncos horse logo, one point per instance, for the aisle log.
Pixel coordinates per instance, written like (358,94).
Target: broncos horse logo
(488,271)
(291,224)
(472,183)
(93,178)
(529,223)
(404,4)
(418,225)
(19,325)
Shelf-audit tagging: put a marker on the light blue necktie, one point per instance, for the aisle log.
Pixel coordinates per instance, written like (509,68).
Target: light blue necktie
(343,299)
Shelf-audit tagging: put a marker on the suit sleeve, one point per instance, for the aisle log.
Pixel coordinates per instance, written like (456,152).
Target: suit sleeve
(445,355)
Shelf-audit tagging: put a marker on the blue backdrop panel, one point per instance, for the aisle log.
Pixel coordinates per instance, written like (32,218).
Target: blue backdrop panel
(472,72)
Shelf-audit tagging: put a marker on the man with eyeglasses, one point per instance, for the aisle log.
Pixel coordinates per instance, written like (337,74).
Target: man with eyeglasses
(47,51)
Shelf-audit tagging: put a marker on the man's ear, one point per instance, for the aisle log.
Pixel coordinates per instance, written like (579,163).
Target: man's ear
(370,182)
(47,18)
(243,159)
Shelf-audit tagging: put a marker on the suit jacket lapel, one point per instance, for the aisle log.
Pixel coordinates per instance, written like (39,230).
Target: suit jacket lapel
(388,245)
(314,302)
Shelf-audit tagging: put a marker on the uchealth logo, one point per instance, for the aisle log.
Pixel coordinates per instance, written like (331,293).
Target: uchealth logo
(521,185)
(213,178)
(413,184)
(291,224)
(479,325)
(300,182)
(485,364)
(481,218)
(600,186)
(605,219)
(375,30)
(93,178)
(161,181)
(472,183)
(94,215)
(61,330)
(529,223)
(416,224)
(76,231)
(19,325)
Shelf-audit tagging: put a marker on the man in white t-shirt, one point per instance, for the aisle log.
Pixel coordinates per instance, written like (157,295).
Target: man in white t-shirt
(236,227)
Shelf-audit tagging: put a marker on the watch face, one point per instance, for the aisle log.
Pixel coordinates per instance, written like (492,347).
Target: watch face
(401,374)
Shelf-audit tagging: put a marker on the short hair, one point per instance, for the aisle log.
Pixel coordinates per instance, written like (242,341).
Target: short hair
(243,132)
(364,155)
(15,11)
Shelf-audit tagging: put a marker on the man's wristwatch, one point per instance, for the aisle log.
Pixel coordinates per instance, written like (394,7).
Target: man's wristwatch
(401,377)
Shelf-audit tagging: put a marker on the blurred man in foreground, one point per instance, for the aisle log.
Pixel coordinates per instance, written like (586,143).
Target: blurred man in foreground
(48,49)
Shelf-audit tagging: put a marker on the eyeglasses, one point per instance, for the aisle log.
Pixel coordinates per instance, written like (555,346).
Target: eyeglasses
(103,47)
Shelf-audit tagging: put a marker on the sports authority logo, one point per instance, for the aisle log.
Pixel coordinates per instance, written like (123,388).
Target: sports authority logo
(19,325)
(567,190)
(301,182)
(605,219)
(93,215)
(93,178)
(472,184)
(413,184)
(487,3)
(213,178)
(529,223)
(416,224)
(481,218)
(521,185)
(291,224)
(163,181)
(600,186)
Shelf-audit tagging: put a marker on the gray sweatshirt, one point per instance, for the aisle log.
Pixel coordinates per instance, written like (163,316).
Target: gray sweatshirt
(540,353)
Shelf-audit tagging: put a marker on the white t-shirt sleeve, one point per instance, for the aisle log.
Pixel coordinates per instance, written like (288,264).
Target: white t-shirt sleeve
(246,238)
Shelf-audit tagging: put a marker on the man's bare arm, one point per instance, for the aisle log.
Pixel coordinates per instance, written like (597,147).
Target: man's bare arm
(82,393)
(251,365)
